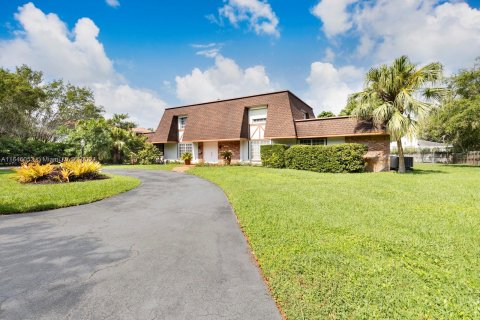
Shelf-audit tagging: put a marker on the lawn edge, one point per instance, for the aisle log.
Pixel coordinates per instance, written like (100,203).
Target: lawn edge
(78,204)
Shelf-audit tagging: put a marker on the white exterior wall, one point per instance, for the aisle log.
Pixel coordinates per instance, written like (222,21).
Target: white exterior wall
(244,150)
(170,150)
(257,129)
(195,152)
(336,140)
(260,112)
(407,142)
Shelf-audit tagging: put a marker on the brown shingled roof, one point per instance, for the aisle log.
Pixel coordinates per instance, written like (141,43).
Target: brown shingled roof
(228,119)
(149,136)
(141,130)
(336,126)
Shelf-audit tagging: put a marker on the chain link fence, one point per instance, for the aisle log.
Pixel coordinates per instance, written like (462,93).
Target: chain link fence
(468,158)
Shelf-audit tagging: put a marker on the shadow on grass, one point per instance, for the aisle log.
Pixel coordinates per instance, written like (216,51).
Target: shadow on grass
(12,209)
(6,171)
(426,171)
(460,166)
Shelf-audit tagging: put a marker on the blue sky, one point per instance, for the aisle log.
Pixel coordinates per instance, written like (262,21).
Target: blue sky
(147,55)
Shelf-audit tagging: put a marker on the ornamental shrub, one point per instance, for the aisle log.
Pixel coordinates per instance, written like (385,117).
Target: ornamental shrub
(273,155)
(149,154)
(33,171)
(10,147)
(187,156)
(78,169)
(348,157)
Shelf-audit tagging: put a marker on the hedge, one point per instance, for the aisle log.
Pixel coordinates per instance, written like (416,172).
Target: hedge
(273,155)
(11,149)
(346,157)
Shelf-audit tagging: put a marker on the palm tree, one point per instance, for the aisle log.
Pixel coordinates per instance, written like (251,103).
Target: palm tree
(119,145)
(392,97)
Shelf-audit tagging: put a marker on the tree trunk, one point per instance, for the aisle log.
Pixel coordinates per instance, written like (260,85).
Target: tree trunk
(116,156)
(401,157)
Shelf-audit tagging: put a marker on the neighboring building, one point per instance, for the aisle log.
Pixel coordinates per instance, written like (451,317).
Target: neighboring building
(242,125)
(413,142)
(144,132)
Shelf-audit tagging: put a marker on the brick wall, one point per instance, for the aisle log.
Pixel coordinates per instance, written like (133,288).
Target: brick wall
(233,146)
(378,155)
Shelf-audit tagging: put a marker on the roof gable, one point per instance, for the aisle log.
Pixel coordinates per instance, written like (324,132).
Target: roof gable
(228,119)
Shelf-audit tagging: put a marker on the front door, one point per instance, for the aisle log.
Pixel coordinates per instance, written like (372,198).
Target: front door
(210,151)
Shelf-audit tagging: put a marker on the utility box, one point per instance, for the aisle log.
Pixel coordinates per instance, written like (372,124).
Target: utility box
(394,163)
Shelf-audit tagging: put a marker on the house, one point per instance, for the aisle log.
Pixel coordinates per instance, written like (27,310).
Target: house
(243,124)
(147,133)
(409,143)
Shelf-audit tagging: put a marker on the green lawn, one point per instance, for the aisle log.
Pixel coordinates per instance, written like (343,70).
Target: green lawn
(169,166)
(16,197)
(363,246)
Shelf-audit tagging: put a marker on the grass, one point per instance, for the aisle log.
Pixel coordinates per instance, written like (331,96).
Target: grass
(168,167)
(363,246)
(17,198)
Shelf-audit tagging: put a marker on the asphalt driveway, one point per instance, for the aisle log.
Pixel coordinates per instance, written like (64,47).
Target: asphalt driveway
(170,249)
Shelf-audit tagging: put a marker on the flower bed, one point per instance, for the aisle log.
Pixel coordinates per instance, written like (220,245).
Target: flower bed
(67,171)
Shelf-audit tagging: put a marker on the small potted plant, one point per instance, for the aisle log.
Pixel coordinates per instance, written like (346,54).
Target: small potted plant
(227,156)
(187,157)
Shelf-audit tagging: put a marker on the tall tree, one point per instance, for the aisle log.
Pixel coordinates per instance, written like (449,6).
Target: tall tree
(34,108)
(457,120)
(347,111)
(393,97)
(325,114)
(106,140)
(20,96)
(120,120)
(64,106)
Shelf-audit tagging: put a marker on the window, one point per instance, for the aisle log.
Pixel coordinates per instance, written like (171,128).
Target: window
(182,121)
(312,142)
(184,147)
(305,115)
(255,149)
(257,115)
(259,120)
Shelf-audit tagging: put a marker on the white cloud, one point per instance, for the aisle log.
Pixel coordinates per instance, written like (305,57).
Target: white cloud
(334,15)
(425,30)
(209,50)
(113,3)
(225,79)
(45,43)
(257,13)
(142,105)
(204,46)
(209,53)
(329,55)
(329,87)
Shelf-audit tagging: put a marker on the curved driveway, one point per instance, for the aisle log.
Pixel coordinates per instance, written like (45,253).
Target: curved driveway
(170,249)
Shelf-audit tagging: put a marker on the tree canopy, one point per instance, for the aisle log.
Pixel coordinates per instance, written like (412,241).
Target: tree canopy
(325,114)
(457,120)
(33,108)
(37,113)
(108,140)
(392,97)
